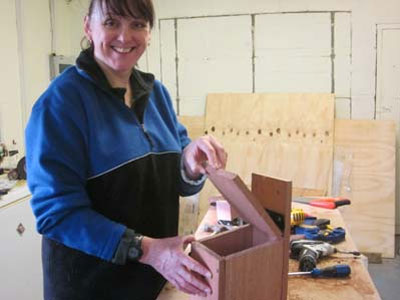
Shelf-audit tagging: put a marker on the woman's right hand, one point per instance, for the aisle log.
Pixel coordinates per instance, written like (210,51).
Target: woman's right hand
(167,256)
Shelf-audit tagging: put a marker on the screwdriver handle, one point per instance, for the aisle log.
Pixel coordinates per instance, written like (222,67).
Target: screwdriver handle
(323,204)
(329,204)
(332,271)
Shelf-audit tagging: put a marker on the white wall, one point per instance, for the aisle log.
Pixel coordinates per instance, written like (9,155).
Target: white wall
(364,17)
(25,32)
(10,80)
(31,31)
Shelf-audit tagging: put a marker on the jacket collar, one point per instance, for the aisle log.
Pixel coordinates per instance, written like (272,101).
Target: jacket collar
(142,83)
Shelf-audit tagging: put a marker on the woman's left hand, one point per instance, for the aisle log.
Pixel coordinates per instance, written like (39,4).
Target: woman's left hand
(198,152)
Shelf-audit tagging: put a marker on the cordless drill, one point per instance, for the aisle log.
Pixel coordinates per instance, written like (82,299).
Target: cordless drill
(308,252)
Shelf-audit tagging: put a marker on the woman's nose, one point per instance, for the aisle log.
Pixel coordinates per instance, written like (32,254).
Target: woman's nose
(125,34)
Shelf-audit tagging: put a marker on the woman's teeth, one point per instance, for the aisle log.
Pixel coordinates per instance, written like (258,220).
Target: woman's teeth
(122,50)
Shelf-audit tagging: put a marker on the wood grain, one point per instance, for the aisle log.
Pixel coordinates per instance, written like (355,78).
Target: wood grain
(194,125)
(275,135)
(232,241)
(365,164)
(255,274)
(245,203)
(216,265)
(276,196)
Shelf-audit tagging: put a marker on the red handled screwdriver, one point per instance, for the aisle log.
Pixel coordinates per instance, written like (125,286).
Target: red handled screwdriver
(324,202)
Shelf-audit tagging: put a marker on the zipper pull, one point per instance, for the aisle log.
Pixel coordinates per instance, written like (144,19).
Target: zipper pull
(147,135)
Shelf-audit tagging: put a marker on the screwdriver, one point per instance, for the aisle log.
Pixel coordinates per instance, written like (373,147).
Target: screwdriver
(332,271)
(324,202)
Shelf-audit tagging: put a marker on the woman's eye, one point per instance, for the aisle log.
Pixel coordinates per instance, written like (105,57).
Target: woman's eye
(139,25)
(110,23)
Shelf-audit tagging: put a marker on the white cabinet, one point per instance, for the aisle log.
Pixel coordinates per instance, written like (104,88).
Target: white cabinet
(20,253)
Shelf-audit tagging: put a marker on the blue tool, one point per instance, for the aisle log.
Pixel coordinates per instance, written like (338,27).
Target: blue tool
(332,236)
(336,271)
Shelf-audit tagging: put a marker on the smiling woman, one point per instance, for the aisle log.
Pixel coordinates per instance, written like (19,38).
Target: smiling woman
(107,161)
(118,33)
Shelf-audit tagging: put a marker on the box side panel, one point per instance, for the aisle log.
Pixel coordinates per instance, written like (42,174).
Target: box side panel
(231,241)
(255,275)
(276,196)
(216,266)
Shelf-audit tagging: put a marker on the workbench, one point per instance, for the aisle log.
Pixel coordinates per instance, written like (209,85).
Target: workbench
(358,286)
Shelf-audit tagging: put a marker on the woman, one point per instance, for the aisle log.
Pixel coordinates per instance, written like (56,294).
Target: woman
(106,163)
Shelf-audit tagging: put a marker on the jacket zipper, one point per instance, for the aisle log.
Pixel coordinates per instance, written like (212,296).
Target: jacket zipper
(147,135)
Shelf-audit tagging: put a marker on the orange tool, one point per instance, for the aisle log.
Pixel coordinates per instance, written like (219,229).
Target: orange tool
(325,202)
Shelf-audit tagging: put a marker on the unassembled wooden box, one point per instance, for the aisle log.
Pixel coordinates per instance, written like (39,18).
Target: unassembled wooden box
(250,262)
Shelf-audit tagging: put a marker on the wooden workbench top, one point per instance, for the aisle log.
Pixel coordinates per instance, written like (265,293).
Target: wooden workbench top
(358,287)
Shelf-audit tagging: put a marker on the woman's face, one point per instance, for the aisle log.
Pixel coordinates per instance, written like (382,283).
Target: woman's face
(118,41)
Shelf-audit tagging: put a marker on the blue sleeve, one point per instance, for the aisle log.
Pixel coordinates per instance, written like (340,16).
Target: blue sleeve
(57,168)
(185,188)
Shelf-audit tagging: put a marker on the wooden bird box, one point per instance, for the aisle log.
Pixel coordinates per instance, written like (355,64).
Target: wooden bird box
(250,262)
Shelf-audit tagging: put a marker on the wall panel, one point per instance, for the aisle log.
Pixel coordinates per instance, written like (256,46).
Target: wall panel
(293,53)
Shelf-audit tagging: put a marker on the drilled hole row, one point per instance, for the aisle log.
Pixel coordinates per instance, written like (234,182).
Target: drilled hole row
(270,133)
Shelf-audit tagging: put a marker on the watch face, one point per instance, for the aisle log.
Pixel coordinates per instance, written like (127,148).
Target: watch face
(134,253)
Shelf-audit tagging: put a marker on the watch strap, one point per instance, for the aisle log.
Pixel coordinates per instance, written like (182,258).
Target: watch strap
(135,251)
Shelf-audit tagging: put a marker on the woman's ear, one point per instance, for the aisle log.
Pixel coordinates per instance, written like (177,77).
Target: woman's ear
(86,28)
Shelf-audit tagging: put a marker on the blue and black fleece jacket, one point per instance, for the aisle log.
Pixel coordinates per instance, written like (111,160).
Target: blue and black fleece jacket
(96,168)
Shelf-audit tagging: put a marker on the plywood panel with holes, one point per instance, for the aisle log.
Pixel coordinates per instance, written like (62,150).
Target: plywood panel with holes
(364,162)
(194,125)
(287,136)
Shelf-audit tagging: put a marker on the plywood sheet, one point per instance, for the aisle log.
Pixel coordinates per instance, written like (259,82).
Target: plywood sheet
(365,164)
(288,136)
(387,88)
(194,125)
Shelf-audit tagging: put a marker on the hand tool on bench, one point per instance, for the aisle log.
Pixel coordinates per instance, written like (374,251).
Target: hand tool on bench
(311,232)
(309,252)
(337,271)
(324,202)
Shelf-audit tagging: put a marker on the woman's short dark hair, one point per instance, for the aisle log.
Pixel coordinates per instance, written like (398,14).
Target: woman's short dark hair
(143,9)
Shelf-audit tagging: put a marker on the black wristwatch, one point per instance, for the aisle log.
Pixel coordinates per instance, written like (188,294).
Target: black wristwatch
(135,251)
